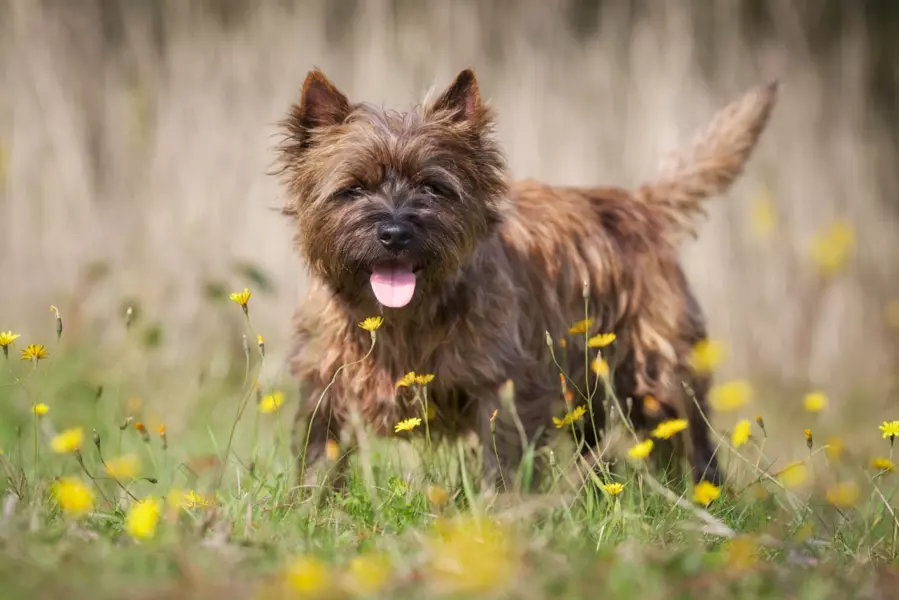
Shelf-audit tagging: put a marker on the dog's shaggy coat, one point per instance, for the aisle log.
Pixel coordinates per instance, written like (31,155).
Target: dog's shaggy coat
(499,269)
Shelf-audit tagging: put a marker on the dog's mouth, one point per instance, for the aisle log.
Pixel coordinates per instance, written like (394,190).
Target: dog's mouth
(393,283)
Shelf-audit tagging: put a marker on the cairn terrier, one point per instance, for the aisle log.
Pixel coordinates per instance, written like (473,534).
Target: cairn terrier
(411,216)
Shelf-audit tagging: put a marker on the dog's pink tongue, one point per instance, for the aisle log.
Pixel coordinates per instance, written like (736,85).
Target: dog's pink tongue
(393,287)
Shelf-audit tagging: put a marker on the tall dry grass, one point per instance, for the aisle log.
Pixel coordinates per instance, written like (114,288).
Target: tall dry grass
(138,135)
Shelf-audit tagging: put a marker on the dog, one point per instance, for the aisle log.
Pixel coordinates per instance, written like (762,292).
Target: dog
(478,279)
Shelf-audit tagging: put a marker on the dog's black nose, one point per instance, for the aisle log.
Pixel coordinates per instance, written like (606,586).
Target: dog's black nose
(395,236)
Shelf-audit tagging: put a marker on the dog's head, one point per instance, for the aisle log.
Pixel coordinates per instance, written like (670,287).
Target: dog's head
(387,202)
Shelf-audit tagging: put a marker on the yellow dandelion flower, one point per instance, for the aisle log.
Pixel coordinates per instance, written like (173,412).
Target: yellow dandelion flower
(332,450)
(814,402)
(641,451)
(834,448)
(471,556)
(424,379)
(193,499)
(123,467)
(407,425)
(668,429)
(742,431)
(651,406)
(614,488)
(793,475)
(741,554)
(260,342)
(707,355)
(437,495)
(368,574)
(763,217)
(40,409)
(307,576)
(68,441)
(843,495)
(803,533)
(271,402)
(35,352)
(890,429)
(600,367)
(572,417)
(831,248)
(883,464)
(134,405)
(73,496)
(601,340)
(406,380)
(493,416)
(581,327)
(7,338)
(371,324)
(242,298)
(143,518)
(706,492)
(730,396)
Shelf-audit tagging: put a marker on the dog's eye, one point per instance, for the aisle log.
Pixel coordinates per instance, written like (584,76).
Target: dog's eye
(352,192)
(435,189)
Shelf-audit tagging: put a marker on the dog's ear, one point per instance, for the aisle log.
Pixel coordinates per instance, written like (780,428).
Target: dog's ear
(462,98)
(321,103)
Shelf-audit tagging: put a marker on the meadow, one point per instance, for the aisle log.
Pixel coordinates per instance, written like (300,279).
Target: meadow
(103,500)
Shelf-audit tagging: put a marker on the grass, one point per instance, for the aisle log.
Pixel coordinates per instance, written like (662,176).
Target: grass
(226,518)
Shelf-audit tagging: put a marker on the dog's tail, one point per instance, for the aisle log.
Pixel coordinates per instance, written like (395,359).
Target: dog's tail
(710,164)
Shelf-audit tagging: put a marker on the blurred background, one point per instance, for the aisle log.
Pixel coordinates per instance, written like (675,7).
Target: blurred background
(136,137)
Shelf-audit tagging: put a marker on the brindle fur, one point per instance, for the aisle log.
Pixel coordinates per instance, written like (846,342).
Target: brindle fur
(501,264)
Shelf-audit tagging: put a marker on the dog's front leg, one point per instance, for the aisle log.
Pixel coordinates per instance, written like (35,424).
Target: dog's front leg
(510,423)
(316,432)
(498,460)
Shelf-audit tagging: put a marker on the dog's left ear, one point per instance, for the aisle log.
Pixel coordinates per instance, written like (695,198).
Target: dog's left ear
(462,97)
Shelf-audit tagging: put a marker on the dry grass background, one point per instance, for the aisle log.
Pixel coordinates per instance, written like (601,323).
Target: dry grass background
(138,136)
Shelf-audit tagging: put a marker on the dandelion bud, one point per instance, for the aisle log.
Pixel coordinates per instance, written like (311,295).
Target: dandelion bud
(152,480)
(78,457)
(808,439)
(761,424)
(125,423)
(549,340)
(58,322)
(129,317)
(586,290)
(165,440)
(99,393)
(552,459)
(246,347)
(144,434)
(97,440)
(261,343)
(493,422)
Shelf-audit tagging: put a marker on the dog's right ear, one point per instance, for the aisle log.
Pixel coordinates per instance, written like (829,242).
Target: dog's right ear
(321,104)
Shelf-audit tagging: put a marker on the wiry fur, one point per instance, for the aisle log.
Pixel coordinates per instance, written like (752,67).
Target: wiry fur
(501,264)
